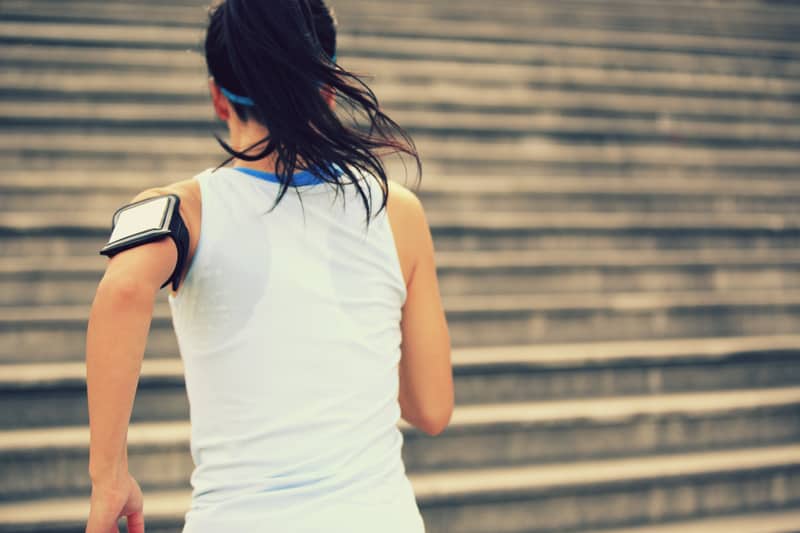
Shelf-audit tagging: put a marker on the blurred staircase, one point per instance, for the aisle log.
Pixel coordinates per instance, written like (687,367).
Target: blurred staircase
(613,190)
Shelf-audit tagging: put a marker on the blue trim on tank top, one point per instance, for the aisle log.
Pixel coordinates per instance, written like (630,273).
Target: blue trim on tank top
(299,179)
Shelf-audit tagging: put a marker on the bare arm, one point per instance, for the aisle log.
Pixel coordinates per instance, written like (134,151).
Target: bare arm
(115,341)
(426,375)
(119,323)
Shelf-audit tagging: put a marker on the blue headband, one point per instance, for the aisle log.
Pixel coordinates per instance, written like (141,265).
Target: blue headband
(236,99)
(244,100)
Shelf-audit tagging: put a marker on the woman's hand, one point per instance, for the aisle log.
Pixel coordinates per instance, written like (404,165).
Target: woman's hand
(112,501)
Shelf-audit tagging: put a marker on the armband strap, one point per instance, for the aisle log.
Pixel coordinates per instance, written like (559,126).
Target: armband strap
(146,221)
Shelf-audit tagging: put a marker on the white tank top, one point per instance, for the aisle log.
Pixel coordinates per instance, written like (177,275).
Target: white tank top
(288,324)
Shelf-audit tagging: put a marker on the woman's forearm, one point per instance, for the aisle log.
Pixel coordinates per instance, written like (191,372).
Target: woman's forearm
(115,342)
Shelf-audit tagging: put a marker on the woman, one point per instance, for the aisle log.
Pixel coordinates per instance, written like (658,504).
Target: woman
(304,299)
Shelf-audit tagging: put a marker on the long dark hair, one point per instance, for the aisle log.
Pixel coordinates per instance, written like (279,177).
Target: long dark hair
(280,54)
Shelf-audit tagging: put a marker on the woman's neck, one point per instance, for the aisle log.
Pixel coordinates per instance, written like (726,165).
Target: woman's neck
(244,135)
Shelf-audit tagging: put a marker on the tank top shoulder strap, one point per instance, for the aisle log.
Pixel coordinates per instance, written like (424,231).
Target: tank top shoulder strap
(206,211)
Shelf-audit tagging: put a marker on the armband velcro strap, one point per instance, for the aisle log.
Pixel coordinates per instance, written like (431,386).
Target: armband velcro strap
(146,221)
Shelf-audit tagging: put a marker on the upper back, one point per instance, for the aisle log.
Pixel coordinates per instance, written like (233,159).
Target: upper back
(313,247)
(402,205)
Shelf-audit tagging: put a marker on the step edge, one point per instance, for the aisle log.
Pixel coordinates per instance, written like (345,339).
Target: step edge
(562,355)
(432,488)
(465,418)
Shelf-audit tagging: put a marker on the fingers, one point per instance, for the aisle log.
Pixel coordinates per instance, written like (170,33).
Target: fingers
(102,523)
(136,522)
(109,525)
(108,505)
(114,528)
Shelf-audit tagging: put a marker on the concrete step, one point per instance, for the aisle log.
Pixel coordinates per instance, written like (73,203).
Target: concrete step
(27,147)
(498,320)
(673,488)
(775,13)
(81,221)
(617,162)
(54,461)
(94,191)
(126,182)
(542,372)
(765,522)
(525,97)
(588,495)
(59,234)
(622,17)
(391,69)
(58,333)
(72,280)
(177,118)
(536,194)
(63,242)
(29,333)
(650,35)
(414,97)
(434,185)
(38,395)
(635,17)
(173,167)
(153,35)
(538,149)
(577,278)
(355,45)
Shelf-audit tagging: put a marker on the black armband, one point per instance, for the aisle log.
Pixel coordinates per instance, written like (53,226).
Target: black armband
(147,221)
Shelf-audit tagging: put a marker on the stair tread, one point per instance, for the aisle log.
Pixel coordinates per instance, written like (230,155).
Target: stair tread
(92,221)
(758,522)
(390,47)
(11,267)
(528,149)
(154,34)
(447,485)
(599,410)
(770,13)
(540,355)
(488,304)
(130,183)
(590,473)
(652,350)
(623,79)
(458,91)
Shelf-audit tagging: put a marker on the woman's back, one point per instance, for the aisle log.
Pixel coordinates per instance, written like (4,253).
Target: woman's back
(288,323)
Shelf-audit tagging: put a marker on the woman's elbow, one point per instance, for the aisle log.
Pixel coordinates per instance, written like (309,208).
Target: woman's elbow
(438,417)
(434,425)
(436,421)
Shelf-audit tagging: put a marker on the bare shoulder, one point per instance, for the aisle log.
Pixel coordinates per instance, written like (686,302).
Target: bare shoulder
(187,190)
(409,226)
(190,208)
(405,208)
